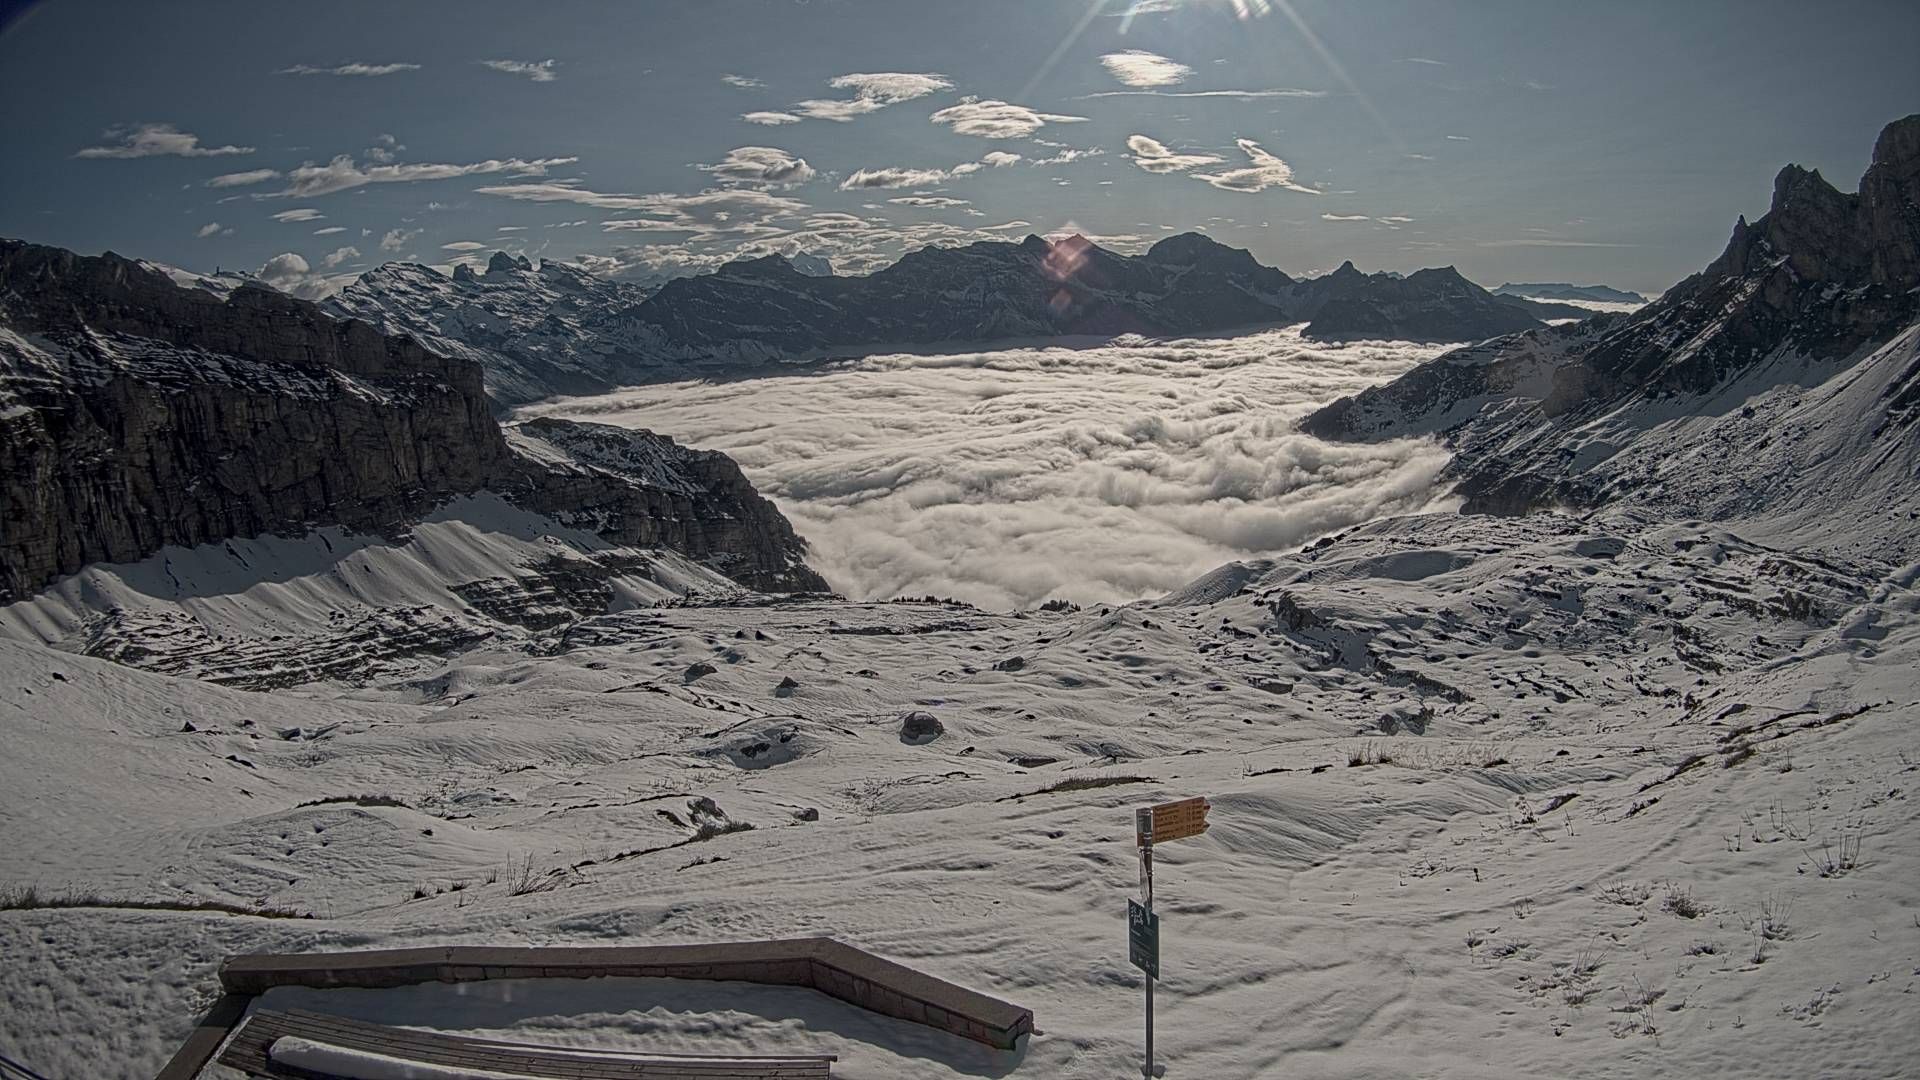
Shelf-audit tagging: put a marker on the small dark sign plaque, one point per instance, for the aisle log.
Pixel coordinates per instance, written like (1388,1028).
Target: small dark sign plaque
(1143,938)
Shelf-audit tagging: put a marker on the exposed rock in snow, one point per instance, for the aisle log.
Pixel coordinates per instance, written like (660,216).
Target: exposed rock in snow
(919,727)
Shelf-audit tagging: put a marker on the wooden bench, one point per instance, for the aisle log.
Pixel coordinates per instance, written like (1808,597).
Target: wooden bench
(250,1051)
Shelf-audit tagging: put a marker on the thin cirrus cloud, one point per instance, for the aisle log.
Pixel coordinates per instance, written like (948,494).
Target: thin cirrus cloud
(742,81)
(872,91)
(1264,171)
(242,179)
(937,202)
(330,230)
(864,179)
(1271,92)
(1153,156)
(997,119)
(735,211)
(1139,68)
(342,173)
(305,213)
(760,165)
(537,70)
(212,228)
(350,69)
(155,140)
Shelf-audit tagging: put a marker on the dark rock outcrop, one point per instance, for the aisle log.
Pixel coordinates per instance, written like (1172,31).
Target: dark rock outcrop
(136,414)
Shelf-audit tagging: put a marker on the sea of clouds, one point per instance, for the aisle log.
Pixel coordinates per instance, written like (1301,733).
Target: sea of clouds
(1007,478)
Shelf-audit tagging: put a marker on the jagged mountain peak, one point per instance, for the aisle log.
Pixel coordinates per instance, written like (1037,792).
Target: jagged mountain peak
(503,263)
(1778,381)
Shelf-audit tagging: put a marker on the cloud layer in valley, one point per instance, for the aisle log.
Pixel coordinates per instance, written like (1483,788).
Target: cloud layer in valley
(1012,477)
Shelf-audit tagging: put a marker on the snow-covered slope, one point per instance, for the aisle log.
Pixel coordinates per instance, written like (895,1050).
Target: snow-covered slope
(1492,797)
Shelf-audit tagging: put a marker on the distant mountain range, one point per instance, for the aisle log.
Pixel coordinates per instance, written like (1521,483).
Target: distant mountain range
(1784,378)
(555,329)
(1560,290)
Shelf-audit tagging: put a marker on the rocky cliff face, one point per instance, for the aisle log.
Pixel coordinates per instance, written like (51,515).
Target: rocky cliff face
(1780,379)
(557,330)
(135,414)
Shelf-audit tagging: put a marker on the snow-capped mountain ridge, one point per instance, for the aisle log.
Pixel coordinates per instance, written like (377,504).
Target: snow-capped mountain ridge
(556,329)
(1778,383)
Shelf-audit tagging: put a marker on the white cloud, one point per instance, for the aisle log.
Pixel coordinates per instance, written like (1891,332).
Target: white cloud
(1265,171)
(395,239)
(1345,217)
(1392,219)
(891,87)
(872,91)
(330,230)
(241,179)
(511,228)
(305,213)
(293,275)
(1095,474)
(1272,92)
(538,71)
(742,82)
(1068,155)
(360,69)
(762,165)
(1153,156)
(1459,138)
(769,119)
(212,228)
(730,211)
(464,245)
(341,173)
(894,178)
(930,201)
(340,255)
(1137,67)
(383,150)
(156,140)
(906,178)
(836,109)
(997,119)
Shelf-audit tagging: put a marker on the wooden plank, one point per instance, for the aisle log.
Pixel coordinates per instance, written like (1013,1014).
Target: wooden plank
(250,1051)
(205,1040)
(831,967)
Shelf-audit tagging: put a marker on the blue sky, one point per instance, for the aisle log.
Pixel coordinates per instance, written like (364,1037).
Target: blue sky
(1519,141)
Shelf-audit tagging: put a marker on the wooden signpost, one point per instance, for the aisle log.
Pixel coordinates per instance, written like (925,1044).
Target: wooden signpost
(1156,825)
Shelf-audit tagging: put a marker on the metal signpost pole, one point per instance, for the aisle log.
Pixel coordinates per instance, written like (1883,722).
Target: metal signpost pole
(1168,821)
(1146,889)
(1143,827)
